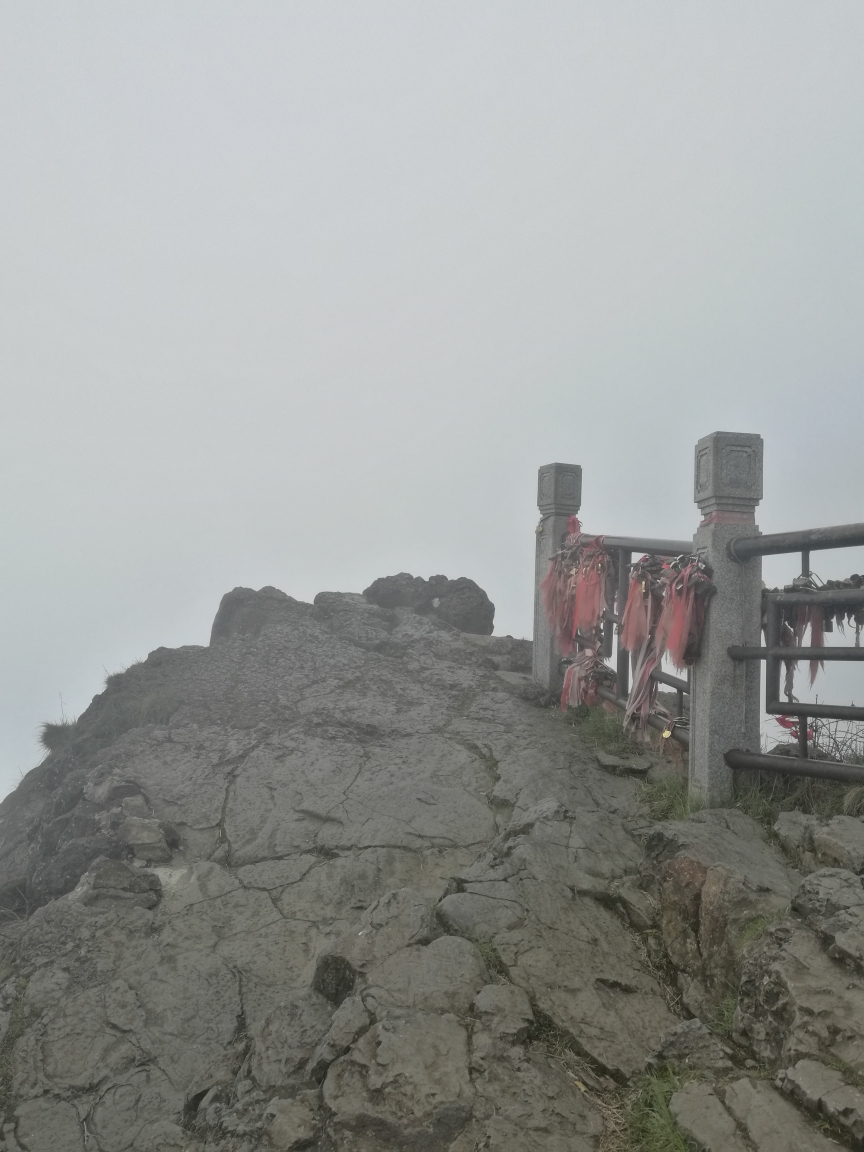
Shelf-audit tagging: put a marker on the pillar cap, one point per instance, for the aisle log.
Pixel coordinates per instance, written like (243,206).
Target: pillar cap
(728,472)
(559,488)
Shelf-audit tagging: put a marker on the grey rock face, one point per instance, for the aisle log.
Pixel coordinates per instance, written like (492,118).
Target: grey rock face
(795,1002)
(718,881)
(825,1091)
(700,1115)
(772,1123)
(327,884)
(691,1045)
(247,878)
(460,603)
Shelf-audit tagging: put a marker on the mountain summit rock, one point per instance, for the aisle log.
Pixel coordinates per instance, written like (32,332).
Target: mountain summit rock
(336,882)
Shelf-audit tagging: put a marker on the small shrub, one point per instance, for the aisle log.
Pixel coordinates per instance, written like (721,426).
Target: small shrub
(55,736)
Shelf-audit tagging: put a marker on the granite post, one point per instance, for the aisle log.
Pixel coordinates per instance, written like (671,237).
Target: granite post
(559,496)
(725,706)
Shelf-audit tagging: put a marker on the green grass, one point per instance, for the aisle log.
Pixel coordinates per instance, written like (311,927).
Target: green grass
(721,1021)
(650,1126)
(764,796)
(15,1030)
(754,928)
(668,800)
(603,730)
(492,960)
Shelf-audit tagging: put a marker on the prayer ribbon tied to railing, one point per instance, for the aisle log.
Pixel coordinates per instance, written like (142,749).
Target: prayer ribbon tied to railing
(664,614)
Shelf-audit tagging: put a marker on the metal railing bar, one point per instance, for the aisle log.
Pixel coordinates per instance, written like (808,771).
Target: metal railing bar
(751,652)
(808,540)
(839,597)
(682,735)
(820,769)
(672,681)
(646,544)
(819,711)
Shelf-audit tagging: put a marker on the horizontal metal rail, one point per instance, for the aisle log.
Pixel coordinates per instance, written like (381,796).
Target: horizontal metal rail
(820,711)
(808,540)
(751,652)
(673,681)
(831,597)
(646,544)
(794,766)
(682,735)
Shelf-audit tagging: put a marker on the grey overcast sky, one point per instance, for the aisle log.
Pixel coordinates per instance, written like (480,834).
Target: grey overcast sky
(302,293)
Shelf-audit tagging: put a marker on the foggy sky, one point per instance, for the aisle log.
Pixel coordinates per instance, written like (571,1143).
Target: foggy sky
(303,294)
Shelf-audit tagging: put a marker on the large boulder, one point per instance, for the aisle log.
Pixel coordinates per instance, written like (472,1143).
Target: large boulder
(460,603)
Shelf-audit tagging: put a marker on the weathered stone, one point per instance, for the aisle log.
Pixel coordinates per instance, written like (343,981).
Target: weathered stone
(349,1022)
(703,1119)
(478,914)
(47,1123)
(460,603)
(840,843)
(720,882)
(772,1123)
(394,921)
(691,1045)
(832,903)
(114,880)
(526,1103)
(825,1090)
(406,1080)
(795,831)
(327,777)
(295,1122)
(795,1002)
(504,1011)
(146,840)
(289,1037)
(445,976)
(823,894)
(637,905)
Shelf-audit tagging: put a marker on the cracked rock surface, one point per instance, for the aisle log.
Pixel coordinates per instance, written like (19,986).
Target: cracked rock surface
(321,884)
(335,882)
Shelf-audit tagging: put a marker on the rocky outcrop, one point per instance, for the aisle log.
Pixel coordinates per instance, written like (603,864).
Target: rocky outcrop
(718,883)
(321,884)
(335,882)
(460,603)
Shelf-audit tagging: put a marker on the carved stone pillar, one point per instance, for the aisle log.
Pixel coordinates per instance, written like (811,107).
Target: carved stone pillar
(559,496)
(725,706)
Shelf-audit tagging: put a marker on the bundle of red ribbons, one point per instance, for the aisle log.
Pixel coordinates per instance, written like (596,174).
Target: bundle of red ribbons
(665,612)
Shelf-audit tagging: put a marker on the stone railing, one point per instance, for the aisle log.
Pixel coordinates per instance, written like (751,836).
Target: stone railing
(724,681)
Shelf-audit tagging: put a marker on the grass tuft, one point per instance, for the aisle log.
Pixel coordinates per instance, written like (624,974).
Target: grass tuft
(493,961)
(754,928)
(721,1021)
(668,799)
(603,730)
(54,737)
(764,795)
(650,1125)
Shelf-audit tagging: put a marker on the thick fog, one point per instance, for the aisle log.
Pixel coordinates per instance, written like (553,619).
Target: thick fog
(302,294)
